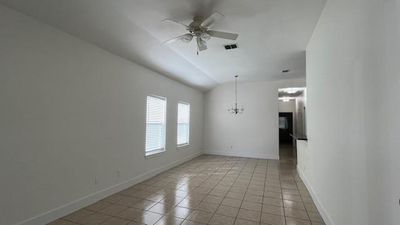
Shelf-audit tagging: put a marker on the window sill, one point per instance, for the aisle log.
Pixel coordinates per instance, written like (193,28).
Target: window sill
(154,153)
(183,146)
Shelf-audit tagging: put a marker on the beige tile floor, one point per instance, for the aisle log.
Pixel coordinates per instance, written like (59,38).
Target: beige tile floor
(215,190)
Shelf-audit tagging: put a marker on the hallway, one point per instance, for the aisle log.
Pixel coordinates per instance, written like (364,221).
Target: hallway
(287,154)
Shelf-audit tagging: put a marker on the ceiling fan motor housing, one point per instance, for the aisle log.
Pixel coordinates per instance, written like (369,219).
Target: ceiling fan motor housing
(195,27)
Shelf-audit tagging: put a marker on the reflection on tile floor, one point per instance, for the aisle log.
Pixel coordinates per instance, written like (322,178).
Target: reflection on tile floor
(216,190)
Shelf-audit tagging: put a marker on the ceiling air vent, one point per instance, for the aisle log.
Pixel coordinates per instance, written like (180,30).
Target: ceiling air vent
(230,47)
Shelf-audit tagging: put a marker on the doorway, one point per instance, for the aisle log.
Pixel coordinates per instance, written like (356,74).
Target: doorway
(286,141)
(292,103)
(285,128)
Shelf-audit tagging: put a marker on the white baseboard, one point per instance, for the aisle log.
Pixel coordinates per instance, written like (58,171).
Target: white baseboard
(70,207)
(245,155)
(321,209)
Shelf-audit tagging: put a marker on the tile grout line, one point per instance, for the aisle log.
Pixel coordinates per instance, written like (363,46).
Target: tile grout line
(265,182)
(211,191)
(219,205)
(247,187)
(227,193)
(236,168)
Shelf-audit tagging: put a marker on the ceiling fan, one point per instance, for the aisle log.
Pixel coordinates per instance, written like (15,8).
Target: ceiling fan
(200,29)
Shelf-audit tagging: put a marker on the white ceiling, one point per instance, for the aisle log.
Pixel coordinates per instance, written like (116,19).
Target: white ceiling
(273,34)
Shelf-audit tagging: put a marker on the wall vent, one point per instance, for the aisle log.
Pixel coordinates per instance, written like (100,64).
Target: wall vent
(230,47)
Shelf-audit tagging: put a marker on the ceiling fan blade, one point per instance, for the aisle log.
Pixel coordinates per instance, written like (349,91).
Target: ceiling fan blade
(201,44)
(210,21)
(223,35)
(184,38)
(175,22)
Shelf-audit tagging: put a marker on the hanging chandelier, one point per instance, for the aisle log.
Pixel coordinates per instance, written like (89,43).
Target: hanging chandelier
(235,109)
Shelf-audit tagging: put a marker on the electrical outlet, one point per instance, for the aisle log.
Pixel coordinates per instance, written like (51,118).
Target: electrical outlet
(95,180)
(118,173)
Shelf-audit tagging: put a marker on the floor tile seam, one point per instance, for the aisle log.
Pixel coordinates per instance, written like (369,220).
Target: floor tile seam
(178,204)
(262,203)
(247,187)
(221,203)
(302,202)
(214,213)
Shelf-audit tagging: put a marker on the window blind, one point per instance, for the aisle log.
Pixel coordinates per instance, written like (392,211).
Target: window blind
(183,124)
(155,124)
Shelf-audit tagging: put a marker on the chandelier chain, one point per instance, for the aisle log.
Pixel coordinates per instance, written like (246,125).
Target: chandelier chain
(236,110)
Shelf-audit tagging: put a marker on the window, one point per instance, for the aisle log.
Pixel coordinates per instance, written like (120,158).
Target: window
(183,124)
(283,123)
(155,124)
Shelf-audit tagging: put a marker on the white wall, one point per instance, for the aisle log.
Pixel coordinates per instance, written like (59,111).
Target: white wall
(289,106)
(301,128)
(353,124)
(254,133)
(302,155)
(71,112)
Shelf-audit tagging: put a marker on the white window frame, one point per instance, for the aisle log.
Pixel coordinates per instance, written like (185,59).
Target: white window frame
(183,145)
(163,149)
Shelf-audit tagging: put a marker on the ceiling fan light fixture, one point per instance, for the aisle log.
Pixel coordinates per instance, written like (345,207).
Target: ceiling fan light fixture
(187,38)
(205,36)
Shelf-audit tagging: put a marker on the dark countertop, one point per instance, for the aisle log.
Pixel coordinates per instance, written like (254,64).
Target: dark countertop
(302,138)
